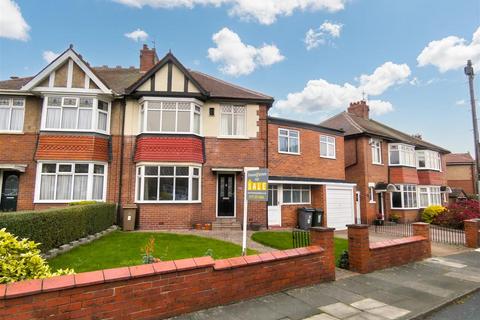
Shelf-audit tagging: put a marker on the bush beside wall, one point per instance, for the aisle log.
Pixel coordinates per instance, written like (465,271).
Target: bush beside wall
(58,226)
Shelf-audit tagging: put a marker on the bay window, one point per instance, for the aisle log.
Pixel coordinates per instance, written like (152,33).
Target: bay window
(327,147)
(168,183)
(376,151)
(405,197)
(232,120)
(168,116)
(296,194)
(288,141)
(429,195)
(429,160)
(76,114)
(12,111)
(401,155)
(65,182)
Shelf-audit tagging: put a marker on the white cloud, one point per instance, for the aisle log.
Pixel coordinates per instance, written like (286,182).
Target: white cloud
(460,102)
(237,58)
(323,34)
(323,96)
(49,56)
(262,11)
(137,35)
(12,24)
(451,53)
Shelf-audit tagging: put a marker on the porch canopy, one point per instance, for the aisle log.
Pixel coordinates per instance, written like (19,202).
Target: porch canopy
(13,167)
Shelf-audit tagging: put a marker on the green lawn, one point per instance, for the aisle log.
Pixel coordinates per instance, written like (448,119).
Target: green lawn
(283,240)
(120,249)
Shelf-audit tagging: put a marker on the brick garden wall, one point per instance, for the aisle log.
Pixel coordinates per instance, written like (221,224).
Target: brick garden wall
(365,257)
(165,289)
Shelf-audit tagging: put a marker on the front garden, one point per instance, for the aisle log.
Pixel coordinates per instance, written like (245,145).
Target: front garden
(453,215)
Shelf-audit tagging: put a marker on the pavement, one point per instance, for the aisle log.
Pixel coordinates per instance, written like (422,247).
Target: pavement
(466,308)
(407,292)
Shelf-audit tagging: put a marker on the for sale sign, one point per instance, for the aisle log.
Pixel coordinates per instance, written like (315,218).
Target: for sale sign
(257,185)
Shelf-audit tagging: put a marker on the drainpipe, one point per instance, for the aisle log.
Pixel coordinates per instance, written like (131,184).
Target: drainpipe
(266,162)
(122,138)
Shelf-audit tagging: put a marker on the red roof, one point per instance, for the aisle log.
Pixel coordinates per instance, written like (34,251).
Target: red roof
(459,158)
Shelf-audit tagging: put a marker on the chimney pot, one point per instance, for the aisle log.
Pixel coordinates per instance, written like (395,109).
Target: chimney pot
(359,109)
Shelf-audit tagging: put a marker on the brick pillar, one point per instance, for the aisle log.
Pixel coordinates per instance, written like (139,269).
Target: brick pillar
(472,229)
(358,247)
(323,237)
(423,229)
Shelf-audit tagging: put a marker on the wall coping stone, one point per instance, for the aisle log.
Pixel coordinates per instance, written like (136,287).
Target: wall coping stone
(30,287)
(396,242)
(322,229)
(357,226)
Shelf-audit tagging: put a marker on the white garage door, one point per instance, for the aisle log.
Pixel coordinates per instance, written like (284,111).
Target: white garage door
(340,210)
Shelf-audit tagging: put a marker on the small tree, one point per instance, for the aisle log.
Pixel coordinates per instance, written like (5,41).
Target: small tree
(21,260)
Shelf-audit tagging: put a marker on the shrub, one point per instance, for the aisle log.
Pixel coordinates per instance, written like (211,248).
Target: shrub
(55,227)
(429,213)
(455,214)
(82,203)
(21,260)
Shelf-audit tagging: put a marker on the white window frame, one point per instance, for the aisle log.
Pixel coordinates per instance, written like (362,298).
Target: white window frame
(90,174)
(195,108)
(10,108)
(405,152)
(376,146)
(299,188)
(140,182)
(233,113)
(430,192)
(432,159)
(330,142)
(372,193)
(95,112)
(403,192)
(288,140)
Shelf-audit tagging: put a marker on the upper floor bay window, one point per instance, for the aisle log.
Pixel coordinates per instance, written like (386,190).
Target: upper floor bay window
(12,111)
(401,155)
(376,151)
(169,116)
(429,160)
(65,182)
(233,121)
(288,141)
(405,198)
(327,147)
(75,114)
(168,183)
(429,195)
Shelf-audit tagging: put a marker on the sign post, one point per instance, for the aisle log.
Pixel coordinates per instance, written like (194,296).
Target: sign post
(256,189)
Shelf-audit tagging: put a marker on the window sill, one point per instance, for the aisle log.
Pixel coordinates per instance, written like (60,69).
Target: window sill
(329,158)
(372,202)
(294,203)
(429,169)
(168,202)
(11,132)
(75,131)
(401,165)
(63,201)
(234,137)
(378,164)
(416,208)
(170,133)
(290,153)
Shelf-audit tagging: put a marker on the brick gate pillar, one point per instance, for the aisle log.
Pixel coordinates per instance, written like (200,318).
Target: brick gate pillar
(472,230)
(423,229)
(358,247)
(323,237)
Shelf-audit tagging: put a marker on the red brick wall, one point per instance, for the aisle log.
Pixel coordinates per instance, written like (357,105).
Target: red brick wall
(403,175)
(308,163)
(166,289)
(428,177)
(467,185)
(72,147)
(472,233)
(171,216)
(365,257)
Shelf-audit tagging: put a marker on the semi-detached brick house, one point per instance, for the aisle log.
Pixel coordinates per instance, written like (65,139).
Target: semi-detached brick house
(461,172)
(396,173)
(174,142)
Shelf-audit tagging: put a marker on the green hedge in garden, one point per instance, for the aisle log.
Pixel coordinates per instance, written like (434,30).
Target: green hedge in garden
(58,226)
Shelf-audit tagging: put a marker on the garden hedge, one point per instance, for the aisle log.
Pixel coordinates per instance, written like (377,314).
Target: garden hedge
(58,226)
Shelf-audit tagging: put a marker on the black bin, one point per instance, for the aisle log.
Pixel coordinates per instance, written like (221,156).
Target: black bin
(317,218)
(305,218)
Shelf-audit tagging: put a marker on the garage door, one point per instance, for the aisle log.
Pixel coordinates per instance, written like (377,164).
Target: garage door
(340,210)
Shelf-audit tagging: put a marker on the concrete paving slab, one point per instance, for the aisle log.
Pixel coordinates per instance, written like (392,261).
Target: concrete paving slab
(365,316)
(288,306)
(253,310)
(322,316)
(463,276)
(313,296)
(342,295)
(445,262)
(351,285)
(385,296)
(339,310)
(209,314)
(367,303)
(389,312)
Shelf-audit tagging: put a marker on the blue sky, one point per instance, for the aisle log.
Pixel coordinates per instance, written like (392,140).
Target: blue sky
(372,46)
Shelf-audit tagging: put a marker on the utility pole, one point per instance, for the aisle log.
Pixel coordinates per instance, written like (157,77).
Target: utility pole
(470,74)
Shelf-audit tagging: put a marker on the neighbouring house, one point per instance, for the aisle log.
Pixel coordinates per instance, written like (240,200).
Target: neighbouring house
(397,174)
(461,172)
(306,167)
(457,195)
(171,142)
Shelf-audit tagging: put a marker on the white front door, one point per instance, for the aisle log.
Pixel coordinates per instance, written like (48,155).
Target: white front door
(274,207)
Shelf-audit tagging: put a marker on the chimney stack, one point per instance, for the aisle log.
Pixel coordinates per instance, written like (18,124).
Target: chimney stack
(359,109)
(148,58)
